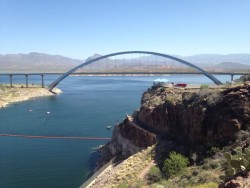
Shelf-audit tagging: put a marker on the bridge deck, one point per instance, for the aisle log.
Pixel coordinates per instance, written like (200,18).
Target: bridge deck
(124,73)
(55,137)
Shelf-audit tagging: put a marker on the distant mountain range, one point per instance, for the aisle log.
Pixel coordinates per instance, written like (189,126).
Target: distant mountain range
(229,66)
(40,62)
(213,59)
(36,62)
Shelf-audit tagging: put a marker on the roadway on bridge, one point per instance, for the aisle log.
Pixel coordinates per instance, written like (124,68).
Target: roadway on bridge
(55,137)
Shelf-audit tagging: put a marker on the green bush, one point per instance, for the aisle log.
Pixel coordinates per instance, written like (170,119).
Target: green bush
(175,164)
(154,175)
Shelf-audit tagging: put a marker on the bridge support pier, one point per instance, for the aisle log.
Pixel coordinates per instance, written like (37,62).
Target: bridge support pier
(42,75)
(27,83)
(10,75)
(232,77)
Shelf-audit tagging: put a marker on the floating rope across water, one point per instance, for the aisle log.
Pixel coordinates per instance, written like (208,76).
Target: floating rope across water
(56,137)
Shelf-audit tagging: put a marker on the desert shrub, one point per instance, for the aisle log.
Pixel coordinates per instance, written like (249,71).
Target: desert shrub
(155,101)
(193,158)
(2,87)
(123,185)
(162,89)
(137,184)
(175,164)
(210,164)
(167,183)
(211,151)
(206,185)
(195,172)
(154,175)
(214,150)
(147,96)
(214,165)
(214,97)
(170,98)
(204,86)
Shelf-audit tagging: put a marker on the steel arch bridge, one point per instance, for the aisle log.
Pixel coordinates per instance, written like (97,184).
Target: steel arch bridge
(58,80)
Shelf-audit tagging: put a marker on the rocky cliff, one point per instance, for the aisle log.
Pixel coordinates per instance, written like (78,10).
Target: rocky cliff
(185,116)
(128,138)
(197,116)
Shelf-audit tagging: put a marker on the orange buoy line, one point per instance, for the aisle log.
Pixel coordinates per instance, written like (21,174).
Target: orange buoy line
(55,137)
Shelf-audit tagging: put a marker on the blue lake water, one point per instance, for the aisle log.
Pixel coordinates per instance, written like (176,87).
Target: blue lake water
(86,106)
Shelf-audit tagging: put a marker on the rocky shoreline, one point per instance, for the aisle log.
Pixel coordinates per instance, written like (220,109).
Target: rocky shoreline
(17,93)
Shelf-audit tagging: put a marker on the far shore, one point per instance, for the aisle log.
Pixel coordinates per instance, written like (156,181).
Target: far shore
(18,93)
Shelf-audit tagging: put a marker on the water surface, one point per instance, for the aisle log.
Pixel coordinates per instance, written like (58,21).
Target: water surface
(86,106)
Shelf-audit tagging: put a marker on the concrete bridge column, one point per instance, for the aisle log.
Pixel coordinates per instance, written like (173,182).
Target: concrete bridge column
(232,77)
(10,75)
(42,75)
(26,77)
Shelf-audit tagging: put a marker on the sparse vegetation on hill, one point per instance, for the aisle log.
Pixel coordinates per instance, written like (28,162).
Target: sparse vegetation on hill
(194,128)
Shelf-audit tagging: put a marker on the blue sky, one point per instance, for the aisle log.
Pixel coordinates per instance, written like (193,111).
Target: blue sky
(80,28)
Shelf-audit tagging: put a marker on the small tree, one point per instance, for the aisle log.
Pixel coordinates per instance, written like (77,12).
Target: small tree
(175,164)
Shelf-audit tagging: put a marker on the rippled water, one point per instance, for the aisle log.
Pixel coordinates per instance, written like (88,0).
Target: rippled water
(86,106)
